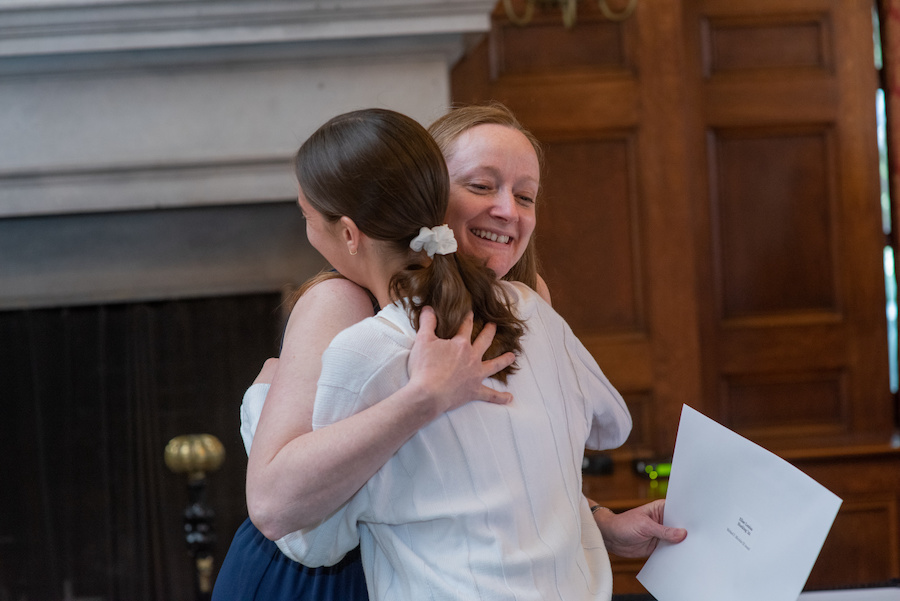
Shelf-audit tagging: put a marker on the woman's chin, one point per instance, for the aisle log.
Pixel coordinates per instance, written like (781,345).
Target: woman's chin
(501,268)
(497,256)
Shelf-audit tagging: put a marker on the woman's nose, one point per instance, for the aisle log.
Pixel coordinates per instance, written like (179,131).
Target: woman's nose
(505,206)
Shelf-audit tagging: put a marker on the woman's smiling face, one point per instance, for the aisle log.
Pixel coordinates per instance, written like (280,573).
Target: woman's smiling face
(494,181)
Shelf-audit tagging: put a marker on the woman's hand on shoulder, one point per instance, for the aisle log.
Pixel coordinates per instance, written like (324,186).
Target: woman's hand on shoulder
(449,373)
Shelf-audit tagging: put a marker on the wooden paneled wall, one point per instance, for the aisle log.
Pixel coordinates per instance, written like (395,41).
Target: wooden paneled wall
(710,225)
(791,244)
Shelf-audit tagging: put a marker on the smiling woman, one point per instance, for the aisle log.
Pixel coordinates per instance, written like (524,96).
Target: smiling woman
(495,166)
(494,184)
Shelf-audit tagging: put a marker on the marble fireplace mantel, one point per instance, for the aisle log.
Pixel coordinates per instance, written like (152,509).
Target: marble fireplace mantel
(36,27)
(125,104)
(111,107)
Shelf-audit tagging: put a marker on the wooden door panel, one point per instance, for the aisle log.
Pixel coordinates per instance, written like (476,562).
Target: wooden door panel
(754,101)
(764,41)
(768,345)
(593,45)
(772,204)
(862,545)
(791,403)
(793,273)
(590,235)
(558,105)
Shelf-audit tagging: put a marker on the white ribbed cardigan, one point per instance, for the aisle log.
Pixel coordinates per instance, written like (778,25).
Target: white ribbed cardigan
(486,501)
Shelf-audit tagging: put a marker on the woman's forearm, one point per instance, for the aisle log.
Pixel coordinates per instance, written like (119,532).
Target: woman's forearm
(286,418)
(317,472)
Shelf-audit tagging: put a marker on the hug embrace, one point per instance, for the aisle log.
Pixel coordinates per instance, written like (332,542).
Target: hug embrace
(421,435)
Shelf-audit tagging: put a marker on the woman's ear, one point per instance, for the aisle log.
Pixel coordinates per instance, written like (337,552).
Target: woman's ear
(350,234)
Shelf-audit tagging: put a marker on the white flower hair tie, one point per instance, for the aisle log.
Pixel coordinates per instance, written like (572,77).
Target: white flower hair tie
(435,240)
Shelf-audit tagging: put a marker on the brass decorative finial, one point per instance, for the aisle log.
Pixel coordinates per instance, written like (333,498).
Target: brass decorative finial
(194,454)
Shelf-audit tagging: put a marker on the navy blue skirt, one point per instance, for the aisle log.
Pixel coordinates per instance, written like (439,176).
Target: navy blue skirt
(254,569)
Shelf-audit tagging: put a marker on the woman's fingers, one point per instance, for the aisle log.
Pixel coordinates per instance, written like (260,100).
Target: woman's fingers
(483,341)
(492,366)
(490,395)
(427,324)
(452,366)
(465,328)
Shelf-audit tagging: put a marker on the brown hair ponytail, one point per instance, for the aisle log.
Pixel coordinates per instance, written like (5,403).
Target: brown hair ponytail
(453,285)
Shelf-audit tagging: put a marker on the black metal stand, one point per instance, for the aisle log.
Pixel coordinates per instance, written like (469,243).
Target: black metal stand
(198,532)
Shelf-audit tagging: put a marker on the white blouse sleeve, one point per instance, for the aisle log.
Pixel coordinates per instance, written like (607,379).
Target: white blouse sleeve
(327,543)
(606,416)
(251,409)
(606,410)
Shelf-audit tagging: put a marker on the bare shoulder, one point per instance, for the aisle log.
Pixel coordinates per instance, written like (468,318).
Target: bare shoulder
(327,308)
(336,290)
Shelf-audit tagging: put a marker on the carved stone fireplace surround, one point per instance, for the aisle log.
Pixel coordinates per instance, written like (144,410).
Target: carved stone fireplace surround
(146,144)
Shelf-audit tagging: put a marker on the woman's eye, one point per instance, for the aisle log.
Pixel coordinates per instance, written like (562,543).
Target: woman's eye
(525,199)
(478,183)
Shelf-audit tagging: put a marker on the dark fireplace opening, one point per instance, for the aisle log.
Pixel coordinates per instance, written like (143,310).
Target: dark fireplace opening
(88,508)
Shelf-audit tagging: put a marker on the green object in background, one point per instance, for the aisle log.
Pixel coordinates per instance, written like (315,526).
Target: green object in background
(653,469)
